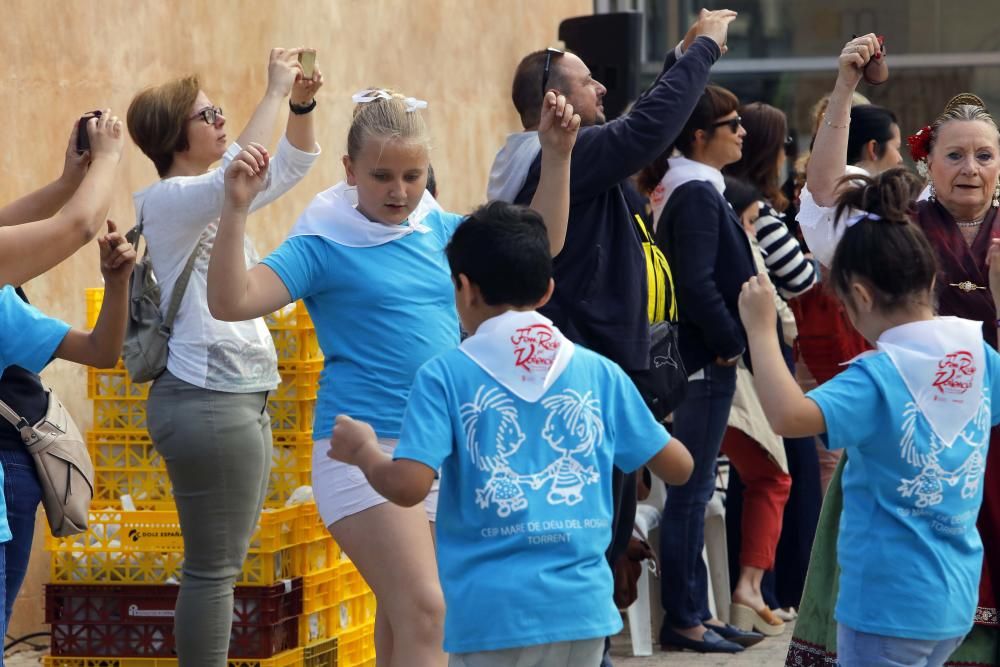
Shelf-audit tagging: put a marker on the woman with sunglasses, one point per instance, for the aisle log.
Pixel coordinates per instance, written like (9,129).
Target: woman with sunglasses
(710,258)
(207,412)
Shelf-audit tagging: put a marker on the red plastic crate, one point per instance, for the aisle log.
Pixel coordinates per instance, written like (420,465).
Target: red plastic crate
(137,621)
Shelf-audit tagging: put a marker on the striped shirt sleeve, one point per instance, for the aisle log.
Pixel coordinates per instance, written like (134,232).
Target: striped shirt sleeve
(790,271)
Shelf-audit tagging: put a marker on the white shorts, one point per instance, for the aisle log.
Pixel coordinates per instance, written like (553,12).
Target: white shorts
(341,490)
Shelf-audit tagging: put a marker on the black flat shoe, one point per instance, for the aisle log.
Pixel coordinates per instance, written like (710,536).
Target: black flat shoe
(711,642)
(744,638)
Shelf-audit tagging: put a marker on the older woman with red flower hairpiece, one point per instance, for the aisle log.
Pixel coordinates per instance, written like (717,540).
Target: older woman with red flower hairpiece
(959,154)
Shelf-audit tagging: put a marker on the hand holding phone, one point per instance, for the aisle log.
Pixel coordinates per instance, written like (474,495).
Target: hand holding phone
(82,136)
(307,59)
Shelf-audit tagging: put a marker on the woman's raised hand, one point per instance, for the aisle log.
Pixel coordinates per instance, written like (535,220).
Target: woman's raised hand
(304,90)
(246,175)
(854,56)
(283,69)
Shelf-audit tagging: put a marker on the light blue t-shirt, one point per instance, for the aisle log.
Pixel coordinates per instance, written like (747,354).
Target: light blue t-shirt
(909,552)
(28,338)
(524,507)
(380,312)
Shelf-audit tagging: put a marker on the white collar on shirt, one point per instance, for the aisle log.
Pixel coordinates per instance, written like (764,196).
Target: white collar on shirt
(523,351)
(333,214)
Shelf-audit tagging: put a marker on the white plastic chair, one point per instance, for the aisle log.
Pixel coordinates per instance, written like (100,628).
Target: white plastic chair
(647,519)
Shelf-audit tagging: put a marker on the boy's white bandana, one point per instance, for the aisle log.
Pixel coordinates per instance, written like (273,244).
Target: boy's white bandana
(523,351)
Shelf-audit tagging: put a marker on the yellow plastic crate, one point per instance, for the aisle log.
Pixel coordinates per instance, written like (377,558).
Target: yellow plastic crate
(349,580)
(82,565)
(295,346)
(291,658)
(356,647)
(356,610)
(95,297)
(319,590)
(115,383)
(126,462)
(293,316)
(320,654)
(299,382)
(291,416)
(160,531)
(120,414)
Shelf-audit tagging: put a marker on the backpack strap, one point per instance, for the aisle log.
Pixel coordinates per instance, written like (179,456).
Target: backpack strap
(180,286)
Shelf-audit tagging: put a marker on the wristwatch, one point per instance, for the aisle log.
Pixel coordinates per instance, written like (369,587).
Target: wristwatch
(302,109)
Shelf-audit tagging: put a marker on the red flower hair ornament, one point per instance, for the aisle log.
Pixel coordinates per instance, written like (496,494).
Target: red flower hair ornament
(920,148)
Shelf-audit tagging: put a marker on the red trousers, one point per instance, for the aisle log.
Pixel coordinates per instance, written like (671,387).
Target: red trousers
(764,497)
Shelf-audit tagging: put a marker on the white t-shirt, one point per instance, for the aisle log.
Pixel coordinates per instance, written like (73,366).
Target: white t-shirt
(181,212)
(817,222)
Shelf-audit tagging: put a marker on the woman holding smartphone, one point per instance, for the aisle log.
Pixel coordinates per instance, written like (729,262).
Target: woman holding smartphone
(207,412)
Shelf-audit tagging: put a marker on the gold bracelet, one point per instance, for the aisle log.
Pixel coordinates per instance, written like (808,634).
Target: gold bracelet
(826,121)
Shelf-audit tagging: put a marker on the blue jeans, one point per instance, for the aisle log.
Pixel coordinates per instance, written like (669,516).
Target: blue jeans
(22,491)
(700,422)
(862,649)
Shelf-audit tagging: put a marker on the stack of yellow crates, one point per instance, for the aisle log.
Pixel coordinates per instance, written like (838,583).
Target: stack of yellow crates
(318,607)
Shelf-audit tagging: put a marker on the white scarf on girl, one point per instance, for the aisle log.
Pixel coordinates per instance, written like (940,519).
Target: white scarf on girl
(943,363)
(523,351)
(333,214)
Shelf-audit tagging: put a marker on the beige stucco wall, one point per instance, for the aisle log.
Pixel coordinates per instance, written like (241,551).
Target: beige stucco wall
(61,59)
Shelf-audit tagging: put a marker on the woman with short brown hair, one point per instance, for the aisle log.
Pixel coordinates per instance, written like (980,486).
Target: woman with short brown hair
(207,412)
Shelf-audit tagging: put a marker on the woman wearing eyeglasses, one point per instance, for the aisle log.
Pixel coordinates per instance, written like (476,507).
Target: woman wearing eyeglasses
(207,412)
(710,258)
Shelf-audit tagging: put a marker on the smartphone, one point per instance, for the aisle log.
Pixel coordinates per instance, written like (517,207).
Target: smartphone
(82,138)
(308,61)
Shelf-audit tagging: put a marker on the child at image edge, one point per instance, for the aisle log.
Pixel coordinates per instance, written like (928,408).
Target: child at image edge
(525,427)
(914,416)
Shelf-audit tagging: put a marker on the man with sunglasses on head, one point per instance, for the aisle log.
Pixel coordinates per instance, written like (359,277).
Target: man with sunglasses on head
(600,296)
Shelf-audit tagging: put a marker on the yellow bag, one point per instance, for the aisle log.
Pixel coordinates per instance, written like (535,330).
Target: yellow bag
(659,279)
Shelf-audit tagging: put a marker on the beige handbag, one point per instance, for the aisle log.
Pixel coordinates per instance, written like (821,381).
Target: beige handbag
(63,465)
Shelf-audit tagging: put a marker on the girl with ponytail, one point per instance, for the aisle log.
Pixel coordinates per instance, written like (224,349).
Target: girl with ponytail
(915,417)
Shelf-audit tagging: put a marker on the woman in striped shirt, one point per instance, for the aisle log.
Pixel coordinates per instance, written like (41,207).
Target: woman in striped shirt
(772,505)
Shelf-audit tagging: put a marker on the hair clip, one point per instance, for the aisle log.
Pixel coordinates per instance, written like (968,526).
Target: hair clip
(372,94)
(858,217)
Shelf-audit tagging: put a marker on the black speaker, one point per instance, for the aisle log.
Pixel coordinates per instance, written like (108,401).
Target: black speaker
(611,46)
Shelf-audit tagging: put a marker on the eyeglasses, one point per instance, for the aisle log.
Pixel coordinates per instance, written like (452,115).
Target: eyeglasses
(733,123)
(549,52)
(209,114)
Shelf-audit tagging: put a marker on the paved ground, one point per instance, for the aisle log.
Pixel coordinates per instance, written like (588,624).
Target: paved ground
(770,652)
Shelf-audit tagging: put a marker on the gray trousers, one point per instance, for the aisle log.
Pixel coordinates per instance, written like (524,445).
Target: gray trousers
(217,450)
(580,653)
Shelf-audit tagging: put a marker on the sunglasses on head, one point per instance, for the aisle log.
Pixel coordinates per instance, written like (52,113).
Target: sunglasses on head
(208,114)
(549,52)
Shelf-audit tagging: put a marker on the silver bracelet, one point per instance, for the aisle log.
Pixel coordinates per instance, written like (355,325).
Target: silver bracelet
(826,121)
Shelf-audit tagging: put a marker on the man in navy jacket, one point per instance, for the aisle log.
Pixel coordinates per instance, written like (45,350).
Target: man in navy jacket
(600,275)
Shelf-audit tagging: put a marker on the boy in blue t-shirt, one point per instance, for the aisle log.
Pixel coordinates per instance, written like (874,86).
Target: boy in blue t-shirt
(525,427)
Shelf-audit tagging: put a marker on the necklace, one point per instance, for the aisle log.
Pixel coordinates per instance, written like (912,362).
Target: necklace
(970,223)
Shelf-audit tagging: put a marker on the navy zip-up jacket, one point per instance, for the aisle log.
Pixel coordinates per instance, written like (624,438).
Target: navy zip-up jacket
(600,275)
